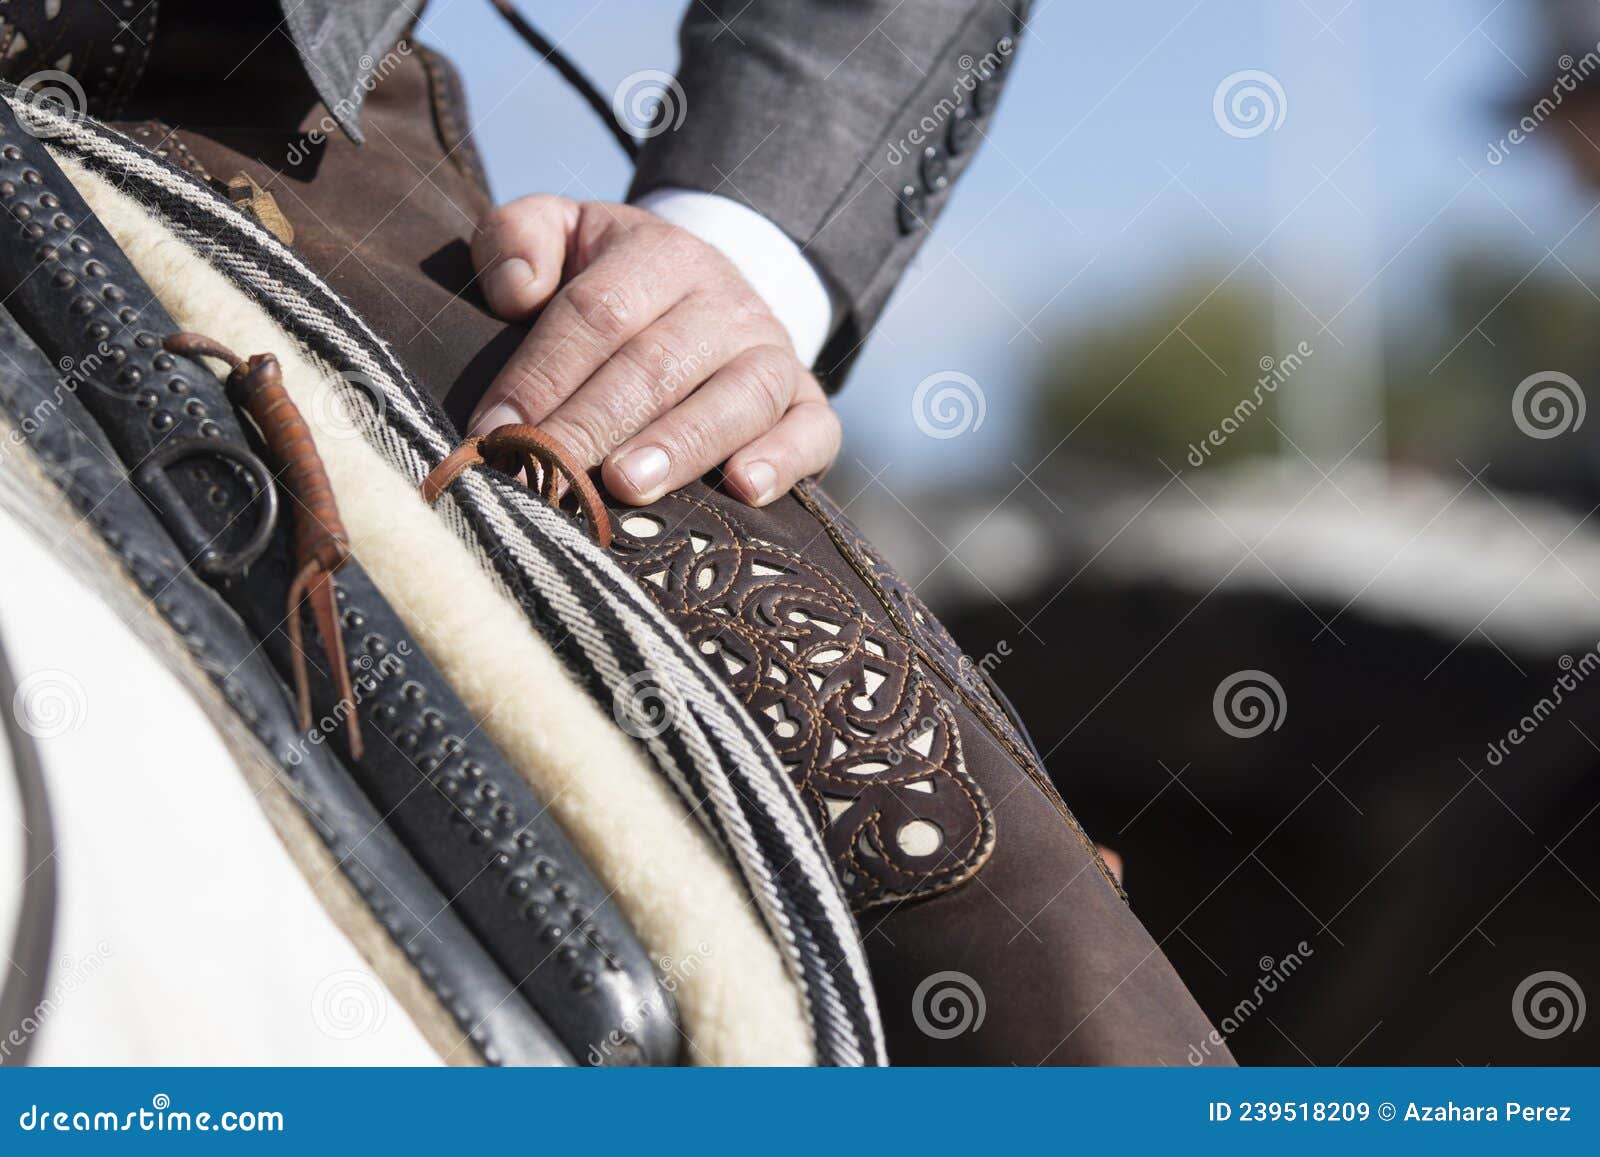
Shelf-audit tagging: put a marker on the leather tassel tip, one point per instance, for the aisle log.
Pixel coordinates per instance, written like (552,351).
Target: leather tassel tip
(315,585)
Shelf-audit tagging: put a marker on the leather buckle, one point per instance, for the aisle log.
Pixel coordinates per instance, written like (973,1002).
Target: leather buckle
(198,544)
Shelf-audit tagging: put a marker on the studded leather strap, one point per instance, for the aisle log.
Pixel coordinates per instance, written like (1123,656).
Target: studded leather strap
(457,805)
(64,278)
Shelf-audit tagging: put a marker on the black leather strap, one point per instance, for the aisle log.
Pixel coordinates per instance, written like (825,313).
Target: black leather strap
(467,982)
(74,291)
(466,816)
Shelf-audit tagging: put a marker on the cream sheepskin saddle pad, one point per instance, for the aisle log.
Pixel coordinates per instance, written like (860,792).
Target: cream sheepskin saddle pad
(273,886)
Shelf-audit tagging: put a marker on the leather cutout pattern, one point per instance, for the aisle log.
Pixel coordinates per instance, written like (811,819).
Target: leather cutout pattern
(937,646)
(939,650)
(102,45)
(871,745)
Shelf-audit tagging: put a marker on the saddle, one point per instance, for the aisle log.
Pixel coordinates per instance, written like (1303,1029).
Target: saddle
(577,742)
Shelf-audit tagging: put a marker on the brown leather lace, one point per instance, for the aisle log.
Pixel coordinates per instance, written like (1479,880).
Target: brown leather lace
(517,446)
(321,545)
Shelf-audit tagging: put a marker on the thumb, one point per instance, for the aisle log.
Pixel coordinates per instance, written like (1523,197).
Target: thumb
(519,250)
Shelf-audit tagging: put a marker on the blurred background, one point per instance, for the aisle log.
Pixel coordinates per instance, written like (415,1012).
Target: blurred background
(1234,417)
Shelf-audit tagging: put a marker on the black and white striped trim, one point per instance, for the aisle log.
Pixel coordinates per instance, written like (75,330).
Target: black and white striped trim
(606,629)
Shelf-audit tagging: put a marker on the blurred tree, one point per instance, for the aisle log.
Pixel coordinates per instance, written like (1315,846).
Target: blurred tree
(1151,384)
(1142,388)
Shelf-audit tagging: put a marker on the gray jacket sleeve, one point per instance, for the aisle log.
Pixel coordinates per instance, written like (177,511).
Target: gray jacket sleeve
(844,122)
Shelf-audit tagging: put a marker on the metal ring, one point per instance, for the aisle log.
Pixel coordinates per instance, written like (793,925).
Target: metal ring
(160,491)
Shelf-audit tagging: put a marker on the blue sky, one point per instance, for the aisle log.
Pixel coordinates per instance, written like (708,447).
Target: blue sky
(1106,176)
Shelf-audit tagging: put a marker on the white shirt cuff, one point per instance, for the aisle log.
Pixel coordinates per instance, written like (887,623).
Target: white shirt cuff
(763,253)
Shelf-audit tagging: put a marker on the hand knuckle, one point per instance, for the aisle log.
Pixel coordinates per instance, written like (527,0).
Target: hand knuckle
(690,443)
(768,381)
(532,384)
(647,365)
(749,309)
(582,436)
(606,309)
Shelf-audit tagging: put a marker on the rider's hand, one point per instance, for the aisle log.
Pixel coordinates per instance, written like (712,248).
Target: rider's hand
(650,353)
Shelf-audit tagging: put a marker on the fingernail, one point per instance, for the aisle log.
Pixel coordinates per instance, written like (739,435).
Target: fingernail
(493,418)
(504,284)
(645,469)
(760,480)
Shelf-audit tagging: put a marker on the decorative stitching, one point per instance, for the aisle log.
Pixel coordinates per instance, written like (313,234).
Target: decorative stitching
(934,645)
(872,748)
(449,120)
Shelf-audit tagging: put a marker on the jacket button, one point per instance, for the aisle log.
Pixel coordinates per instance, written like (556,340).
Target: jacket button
(985,94)
(962,132)
(935,169)
(913,208)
